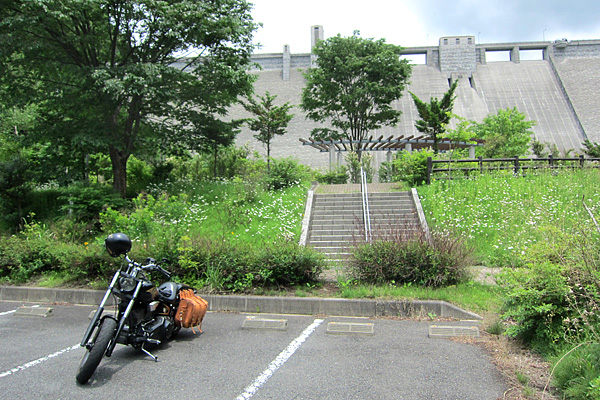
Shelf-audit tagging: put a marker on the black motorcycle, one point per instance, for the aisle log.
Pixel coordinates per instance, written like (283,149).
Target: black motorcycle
(145,315)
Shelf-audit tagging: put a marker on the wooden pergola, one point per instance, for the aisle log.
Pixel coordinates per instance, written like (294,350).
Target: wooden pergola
(400,143)
(390,144)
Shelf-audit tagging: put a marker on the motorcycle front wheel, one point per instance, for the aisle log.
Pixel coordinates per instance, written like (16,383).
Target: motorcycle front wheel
(94,354)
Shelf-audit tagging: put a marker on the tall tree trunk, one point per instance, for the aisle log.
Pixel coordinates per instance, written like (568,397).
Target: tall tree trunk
(119,167)
(269,156)
(216,153)
(127,138)
(86,168)
(435,146)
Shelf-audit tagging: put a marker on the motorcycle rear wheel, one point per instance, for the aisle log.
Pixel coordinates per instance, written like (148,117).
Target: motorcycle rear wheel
(93,355)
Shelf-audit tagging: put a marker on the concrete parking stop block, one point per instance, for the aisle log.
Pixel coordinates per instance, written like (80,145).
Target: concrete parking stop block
(451,331)
(107,311)
(34,311)
(263,323)
(339,328)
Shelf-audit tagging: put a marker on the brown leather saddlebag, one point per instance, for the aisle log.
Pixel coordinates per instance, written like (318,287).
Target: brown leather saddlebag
(191,310)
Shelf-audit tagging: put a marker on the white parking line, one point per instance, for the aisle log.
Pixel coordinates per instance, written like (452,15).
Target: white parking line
(279,361)
(38,361)
(13,311)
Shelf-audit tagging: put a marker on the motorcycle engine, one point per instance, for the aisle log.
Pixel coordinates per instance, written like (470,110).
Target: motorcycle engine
(160,328)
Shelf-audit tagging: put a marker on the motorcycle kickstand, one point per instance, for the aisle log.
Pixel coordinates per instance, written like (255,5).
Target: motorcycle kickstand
(152,356)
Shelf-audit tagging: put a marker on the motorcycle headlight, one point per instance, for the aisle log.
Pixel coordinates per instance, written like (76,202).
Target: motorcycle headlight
(127,284)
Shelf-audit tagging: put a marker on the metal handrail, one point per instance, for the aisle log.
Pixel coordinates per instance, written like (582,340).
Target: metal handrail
(365,205)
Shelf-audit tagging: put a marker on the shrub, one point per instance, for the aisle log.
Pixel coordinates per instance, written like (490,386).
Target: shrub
(354,166)
(227,266)
(139,175)
(235,161)
(285,173)
(535,303)
(84,203)
(577,373)
(338,175)
(289,264)
(506,134)
(412,167)
(539,149)
(36,252)
(160,217)
(557,296)
(412,261)
(592,149)
(191,168)
(214,265)
(386,172)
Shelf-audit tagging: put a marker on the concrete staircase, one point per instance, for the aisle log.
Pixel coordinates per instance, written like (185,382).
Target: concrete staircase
(336,223)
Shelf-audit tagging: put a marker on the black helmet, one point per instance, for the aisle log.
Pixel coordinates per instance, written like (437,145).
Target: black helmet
(117,244)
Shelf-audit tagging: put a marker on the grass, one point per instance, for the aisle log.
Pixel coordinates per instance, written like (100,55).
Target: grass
(221,210)
(495,328)
(54,279)
(472,296)
(503,215)
(522,378)
(263,218)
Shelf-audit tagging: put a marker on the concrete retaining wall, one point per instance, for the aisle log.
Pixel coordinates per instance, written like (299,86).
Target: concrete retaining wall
(261,304)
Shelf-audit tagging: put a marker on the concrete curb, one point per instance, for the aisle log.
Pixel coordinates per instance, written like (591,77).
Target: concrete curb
(262,304)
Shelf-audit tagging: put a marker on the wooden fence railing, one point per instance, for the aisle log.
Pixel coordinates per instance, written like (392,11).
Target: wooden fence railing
(517,164)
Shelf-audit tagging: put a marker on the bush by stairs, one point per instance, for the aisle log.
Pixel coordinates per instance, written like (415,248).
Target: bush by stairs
(336,222)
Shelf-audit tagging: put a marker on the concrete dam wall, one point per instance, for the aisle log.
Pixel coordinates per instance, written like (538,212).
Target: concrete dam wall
(559,90)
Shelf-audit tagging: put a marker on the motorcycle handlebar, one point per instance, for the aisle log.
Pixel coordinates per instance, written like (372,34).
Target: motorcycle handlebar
(163,271)
(150,266)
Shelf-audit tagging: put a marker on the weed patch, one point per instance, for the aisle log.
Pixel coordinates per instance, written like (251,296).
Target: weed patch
(412,260)
(503,216)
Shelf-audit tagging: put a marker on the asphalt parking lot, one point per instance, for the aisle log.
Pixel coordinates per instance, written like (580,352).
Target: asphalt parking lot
(40,356)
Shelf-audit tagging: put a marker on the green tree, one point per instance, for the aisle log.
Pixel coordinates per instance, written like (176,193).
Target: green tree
(592,149)
(539,149)
(213,135)
(506,134)
(114,73)
(270,120)
(353,86)
(435,115)
(464,131)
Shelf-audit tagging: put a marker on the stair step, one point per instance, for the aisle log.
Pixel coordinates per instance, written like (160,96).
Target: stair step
(359,195)
(359,200)
(387,212)
(334,255)
(337,221)
(325,233)
(331,232)
(338,244)
(334,239)
(393,206)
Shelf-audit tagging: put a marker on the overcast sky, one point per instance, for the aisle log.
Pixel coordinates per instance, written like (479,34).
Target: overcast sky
(423,22)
